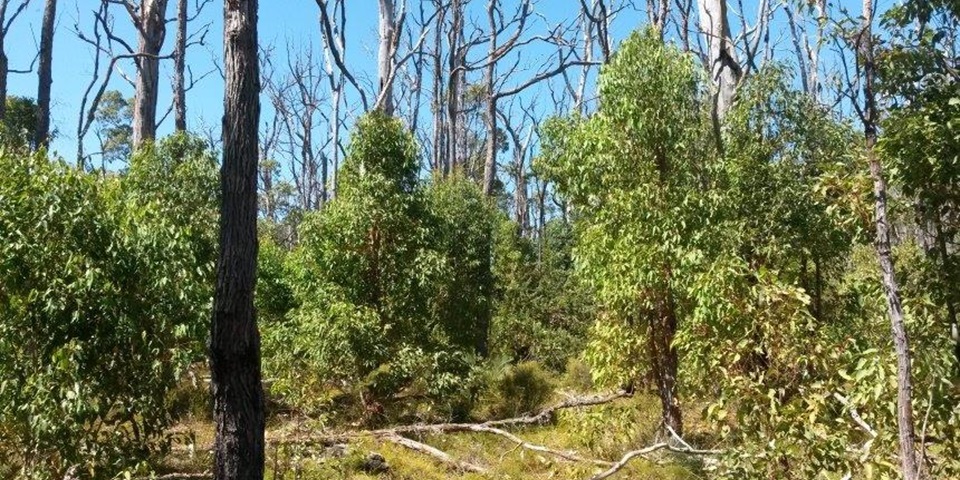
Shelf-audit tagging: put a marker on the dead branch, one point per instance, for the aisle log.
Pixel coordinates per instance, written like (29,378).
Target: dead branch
(646,451)
(435,453)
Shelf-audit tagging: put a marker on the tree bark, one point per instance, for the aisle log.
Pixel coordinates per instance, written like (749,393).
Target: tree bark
(385,56)
(179,70)
(45,74)
(151,27)
(908,453)
(234,339)
(723,66)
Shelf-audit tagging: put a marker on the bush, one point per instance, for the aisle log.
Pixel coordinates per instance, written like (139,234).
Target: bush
(515,390)
(106,290)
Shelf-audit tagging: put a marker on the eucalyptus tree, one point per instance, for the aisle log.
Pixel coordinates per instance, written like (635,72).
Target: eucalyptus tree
(45,74)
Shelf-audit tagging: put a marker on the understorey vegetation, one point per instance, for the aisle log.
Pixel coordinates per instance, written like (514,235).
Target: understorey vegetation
(705,259)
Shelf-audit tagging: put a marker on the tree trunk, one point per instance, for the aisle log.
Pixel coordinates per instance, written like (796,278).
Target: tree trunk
(45,74)
(3,79)
(490,118)
(663,357)
(722,56)
(908,453)
(234,339)
(151,27)
(454,84)
(179,70)
(386,55)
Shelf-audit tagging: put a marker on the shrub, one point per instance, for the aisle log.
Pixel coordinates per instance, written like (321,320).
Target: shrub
(515,390)
(106,288)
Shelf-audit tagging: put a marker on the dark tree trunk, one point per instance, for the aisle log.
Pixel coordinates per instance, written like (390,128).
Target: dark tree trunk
(908,453)
(179,70)
(234,339)
(45,74)
(152,29)
(663,356)
(3,79)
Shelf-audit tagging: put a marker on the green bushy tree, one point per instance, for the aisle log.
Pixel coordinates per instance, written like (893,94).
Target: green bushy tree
(390,287)
(106,288)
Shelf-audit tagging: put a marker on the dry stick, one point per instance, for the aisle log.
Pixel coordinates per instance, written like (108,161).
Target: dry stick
(646,451)
(435,453)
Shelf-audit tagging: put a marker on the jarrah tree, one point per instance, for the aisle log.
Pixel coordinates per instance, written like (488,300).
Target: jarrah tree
(45,74)
(234,338)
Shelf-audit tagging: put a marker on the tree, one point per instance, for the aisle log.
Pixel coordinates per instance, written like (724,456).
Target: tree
(234,340)
(5,24)
(113,118)
(180,68)
(722,57)
(386,56)
(869,117)
(631,172)
(45,74)
(149,19)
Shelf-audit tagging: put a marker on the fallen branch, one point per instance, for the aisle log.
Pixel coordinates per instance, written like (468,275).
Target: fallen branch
(646,451)
(434,452)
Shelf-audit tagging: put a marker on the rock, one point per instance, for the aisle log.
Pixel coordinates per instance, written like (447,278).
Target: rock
(375,464)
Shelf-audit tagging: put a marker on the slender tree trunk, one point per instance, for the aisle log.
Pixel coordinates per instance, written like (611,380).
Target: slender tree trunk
(490,118)
(453,85)
(234,339)
(4,65)
(385,56)
(152,30)
(45,74)
(663,356)
(179,70)
(908,452)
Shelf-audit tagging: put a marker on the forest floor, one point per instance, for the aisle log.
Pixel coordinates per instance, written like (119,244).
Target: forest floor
(596,436)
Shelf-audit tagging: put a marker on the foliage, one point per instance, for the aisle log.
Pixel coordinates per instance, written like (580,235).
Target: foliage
(542,310)
(390,283)
(20,121)
(106,290)
(514,390)
(114,131)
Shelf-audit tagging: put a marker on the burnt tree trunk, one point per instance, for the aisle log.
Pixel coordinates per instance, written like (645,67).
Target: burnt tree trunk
(908,452)
(45,74)
(179,70)
(151,28)
(234,339)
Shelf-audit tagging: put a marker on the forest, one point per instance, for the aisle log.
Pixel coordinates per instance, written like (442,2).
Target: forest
(479,239)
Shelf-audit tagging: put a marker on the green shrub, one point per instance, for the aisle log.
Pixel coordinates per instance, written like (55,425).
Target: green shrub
(106,292)
(516,390)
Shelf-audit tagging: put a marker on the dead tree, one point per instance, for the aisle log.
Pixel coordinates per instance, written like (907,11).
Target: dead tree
(45,74)
(5,23)
(297,100)
(722,61)
(234,340)
(183,78)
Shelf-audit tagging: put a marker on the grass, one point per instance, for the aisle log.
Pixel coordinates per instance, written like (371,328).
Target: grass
(604,432)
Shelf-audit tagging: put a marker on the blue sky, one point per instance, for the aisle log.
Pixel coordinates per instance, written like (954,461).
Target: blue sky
(281,21)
